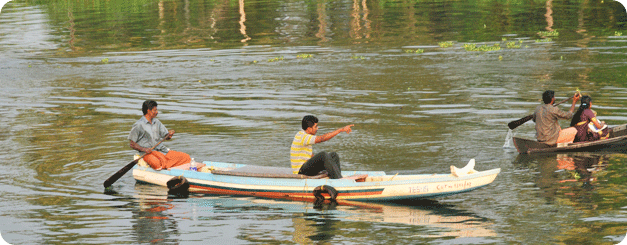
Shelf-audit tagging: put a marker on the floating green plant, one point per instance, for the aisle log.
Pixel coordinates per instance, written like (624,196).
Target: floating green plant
(618,33)
(105,60)
(417,51)
(554,33)
(445,44)
(500,57)
(275,59)
(504,39)
(482,48)
(544,40)
(358,57)
(512,45)
(304,56)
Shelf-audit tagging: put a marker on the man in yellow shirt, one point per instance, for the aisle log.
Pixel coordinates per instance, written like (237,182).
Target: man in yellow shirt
(301,152)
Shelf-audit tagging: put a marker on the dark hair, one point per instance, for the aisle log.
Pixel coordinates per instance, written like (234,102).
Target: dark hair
(547,96)
(148,105)
(309,121)
(585,104)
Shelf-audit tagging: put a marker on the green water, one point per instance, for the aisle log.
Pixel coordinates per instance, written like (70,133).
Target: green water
(234,78)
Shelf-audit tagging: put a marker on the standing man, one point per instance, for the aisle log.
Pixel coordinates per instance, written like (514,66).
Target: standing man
(301,153)
(147,132)
(547,117)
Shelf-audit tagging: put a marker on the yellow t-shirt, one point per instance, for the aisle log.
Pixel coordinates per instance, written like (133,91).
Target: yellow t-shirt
(301,149)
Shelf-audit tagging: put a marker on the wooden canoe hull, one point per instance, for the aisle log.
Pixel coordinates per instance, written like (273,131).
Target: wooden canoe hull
(616,143)
(377,187)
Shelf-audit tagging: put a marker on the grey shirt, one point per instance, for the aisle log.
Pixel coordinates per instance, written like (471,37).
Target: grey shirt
(147,134)
(547,123)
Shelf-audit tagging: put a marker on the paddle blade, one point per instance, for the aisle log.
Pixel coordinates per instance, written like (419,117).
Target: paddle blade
(515,124)
(119,173)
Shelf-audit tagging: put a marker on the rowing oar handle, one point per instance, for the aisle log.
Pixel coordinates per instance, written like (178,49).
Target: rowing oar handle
(565,100)
(126,168)
(515,124)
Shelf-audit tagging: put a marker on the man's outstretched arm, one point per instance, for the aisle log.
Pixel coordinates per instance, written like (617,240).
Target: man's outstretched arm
(328,136)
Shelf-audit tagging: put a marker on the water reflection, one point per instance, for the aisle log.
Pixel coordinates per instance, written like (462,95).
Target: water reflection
(311,223)
(572,175)
(587,186)
(65,114)
(203,23)
(152,222)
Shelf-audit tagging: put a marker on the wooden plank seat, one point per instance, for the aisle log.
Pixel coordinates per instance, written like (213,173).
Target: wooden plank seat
(265,172)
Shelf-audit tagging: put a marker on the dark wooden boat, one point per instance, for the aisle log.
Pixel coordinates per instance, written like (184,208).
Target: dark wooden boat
(617,142)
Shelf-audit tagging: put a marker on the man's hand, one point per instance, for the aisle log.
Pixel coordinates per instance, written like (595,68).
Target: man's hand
(348,128)
(136,146)
(170,134)
(576,98)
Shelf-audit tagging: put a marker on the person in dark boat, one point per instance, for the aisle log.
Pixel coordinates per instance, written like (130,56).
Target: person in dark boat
(301,152)
(547,117)
(589,128)
(147,132)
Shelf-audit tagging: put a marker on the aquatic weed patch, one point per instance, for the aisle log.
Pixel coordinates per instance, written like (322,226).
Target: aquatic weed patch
(304,56)
(513,44)
(417,51)
(554,33)
(483,48)
(445,44)
(275,59)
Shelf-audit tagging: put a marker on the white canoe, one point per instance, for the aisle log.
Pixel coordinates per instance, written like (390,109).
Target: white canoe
(276,182)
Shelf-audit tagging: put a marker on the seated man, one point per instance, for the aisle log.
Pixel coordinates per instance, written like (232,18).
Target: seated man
(301,153)
(147,132)
(547,117)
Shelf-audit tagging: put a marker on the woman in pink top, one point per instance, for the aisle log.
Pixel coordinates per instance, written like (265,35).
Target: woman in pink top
(582,120)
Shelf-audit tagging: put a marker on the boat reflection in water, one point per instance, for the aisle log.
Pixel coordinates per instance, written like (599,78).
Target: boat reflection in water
(581,166)
(310,222)
(152,222)
(566,176)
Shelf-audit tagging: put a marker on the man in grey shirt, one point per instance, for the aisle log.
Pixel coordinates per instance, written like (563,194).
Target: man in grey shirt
(147,132)
(547,117)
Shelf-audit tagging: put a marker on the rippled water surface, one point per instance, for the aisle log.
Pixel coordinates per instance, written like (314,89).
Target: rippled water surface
(234,79)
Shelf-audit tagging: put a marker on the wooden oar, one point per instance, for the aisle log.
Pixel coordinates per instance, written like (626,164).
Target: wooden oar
(125,169)
(514,124)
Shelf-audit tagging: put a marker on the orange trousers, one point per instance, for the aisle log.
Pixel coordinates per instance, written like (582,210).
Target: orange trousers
(158,161)
(567,135)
